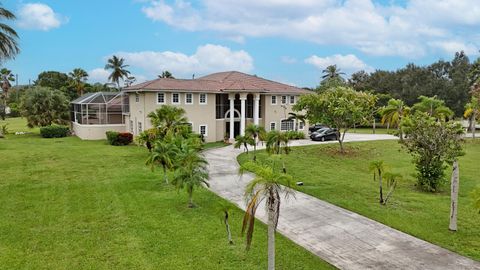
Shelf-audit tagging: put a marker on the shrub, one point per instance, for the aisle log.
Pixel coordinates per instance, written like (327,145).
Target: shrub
(295,135)
(54,131)
(119,138)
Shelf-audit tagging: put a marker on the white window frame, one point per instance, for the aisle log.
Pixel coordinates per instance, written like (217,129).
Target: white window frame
(140,127)
(173,100)
(191,99)
(132,128)
(286,100)
(293,125)
(301,125)
(158,95)
(137,97)
(292,99)
(274,126)
(200,99)
(272,98)
(200,130)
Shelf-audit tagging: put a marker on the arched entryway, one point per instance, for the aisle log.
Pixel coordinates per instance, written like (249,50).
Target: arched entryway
(236,123)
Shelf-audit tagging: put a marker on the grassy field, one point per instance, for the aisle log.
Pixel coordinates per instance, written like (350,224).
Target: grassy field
(72,204)
(346,181)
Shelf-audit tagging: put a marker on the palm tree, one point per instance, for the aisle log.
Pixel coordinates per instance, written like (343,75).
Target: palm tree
(78,77)
(433,107)
(267,185)
(168,119)
(378,169)
(6,77)
(298,118)
(166,74)
(147,138)
(332,72)
(471,111)
(163,154)
(118,68)
(190,169)
(254,132)
(277,142)
(8,37)
(243,140)
(225,210)
(393,113)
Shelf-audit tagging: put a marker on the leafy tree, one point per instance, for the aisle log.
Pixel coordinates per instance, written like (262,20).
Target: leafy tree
(378,169)
(434,107)
(254,131)
(43,106)
(6,77)
(243,140)
(164,154)
(166,74)
(267,185)
(118,68)
(359,81)
(432,143)
(168,119)
(52,79)
(8,36)
(393,113)
(471,111)
(78,79)
(190,169)
(341,108)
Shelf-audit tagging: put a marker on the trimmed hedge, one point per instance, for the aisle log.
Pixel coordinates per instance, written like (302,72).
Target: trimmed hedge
(54,131)
(295,135)
(119,138)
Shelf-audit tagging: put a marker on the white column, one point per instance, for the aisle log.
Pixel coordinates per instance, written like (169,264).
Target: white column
(243,97)
(256,108)
(231,97)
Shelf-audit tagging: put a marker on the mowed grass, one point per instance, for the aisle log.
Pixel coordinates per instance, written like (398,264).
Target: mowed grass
(346,181)
(72,204)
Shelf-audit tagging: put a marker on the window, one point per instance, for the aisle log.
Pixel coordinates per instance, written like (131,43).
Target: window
(160,98)
(284,99)
(137,98)
(175,98)
(203,130)
(140,129)
(188,98)
(274,100)
(292,99)
(131,126)
(301,125)
(286,125)
(202,98)
(273,125)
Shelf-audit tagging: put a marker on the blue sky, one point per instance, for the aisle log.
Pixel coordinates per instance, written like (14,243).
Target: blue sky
(283,40)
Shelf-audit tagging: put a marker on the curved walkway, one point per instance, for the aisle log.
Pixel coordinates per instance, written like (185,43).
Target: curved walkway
(343,238)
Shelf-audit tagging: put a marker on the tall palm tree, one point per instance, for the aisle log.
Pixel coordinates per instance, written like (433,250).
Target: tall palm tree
(168,119)
(8,37)
(472,109)
(393,113)
(434,107)
(163,154)
(78,77)
(267,185)
(298,118)
(190,169)
(332,72)
(118,68)
(253,131)
(166,74)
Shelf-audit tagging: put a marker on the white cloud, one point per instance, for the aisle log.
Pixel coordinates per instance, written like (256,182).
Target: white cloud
(288,59)
(410,30)
(207,58)
(39,16)
(348,63)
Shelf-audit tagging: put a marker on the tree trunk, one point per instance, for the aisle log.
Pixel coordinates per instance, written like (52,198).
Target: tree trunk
(227,227)
(165,176)
(380,185)
(255,151)
(473,125)
(454,196)
(190,199)
(271,238)
(374,125)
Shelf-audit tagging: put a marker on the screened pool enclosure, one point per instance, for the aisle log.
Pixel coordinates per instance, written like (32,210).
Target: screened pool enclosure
(100,108)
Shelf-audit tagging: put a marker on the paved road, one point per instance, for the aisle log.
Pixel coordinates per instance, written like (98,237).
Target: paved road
(338,236)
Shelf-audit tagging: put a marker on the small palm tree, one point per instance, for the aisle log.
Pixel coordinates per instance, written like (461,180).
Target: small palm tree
(378,168)
(298,118)
(190,170)
(166,74)
(8,37)
(472,109)
(267,185)
(254,132)
(392,180)
(332,72)
(118,68)
(434,107)
(164,154)
(78,77)
(393,113)
(148,138)
(168,119)
(243,140)
(225,210)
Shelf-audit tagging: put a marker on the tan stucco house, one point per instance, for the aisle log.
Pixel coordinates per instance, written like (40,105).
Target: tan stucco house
(218,106)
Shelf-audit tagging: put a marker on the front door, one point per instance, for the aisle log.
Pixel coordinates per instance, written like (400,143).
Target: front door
(236,128)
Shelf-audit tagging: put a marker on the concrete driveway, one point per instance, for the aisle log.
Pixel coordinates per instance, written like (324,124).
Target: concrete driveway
(343,238)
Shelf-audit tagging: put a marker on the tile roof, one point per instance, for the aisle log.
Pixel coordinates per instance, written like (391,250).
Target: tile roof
(218,82)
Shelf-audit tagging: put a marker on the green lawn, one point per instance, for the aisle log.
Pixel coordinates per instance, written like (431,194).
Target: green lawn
(72,204)
(346,181)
